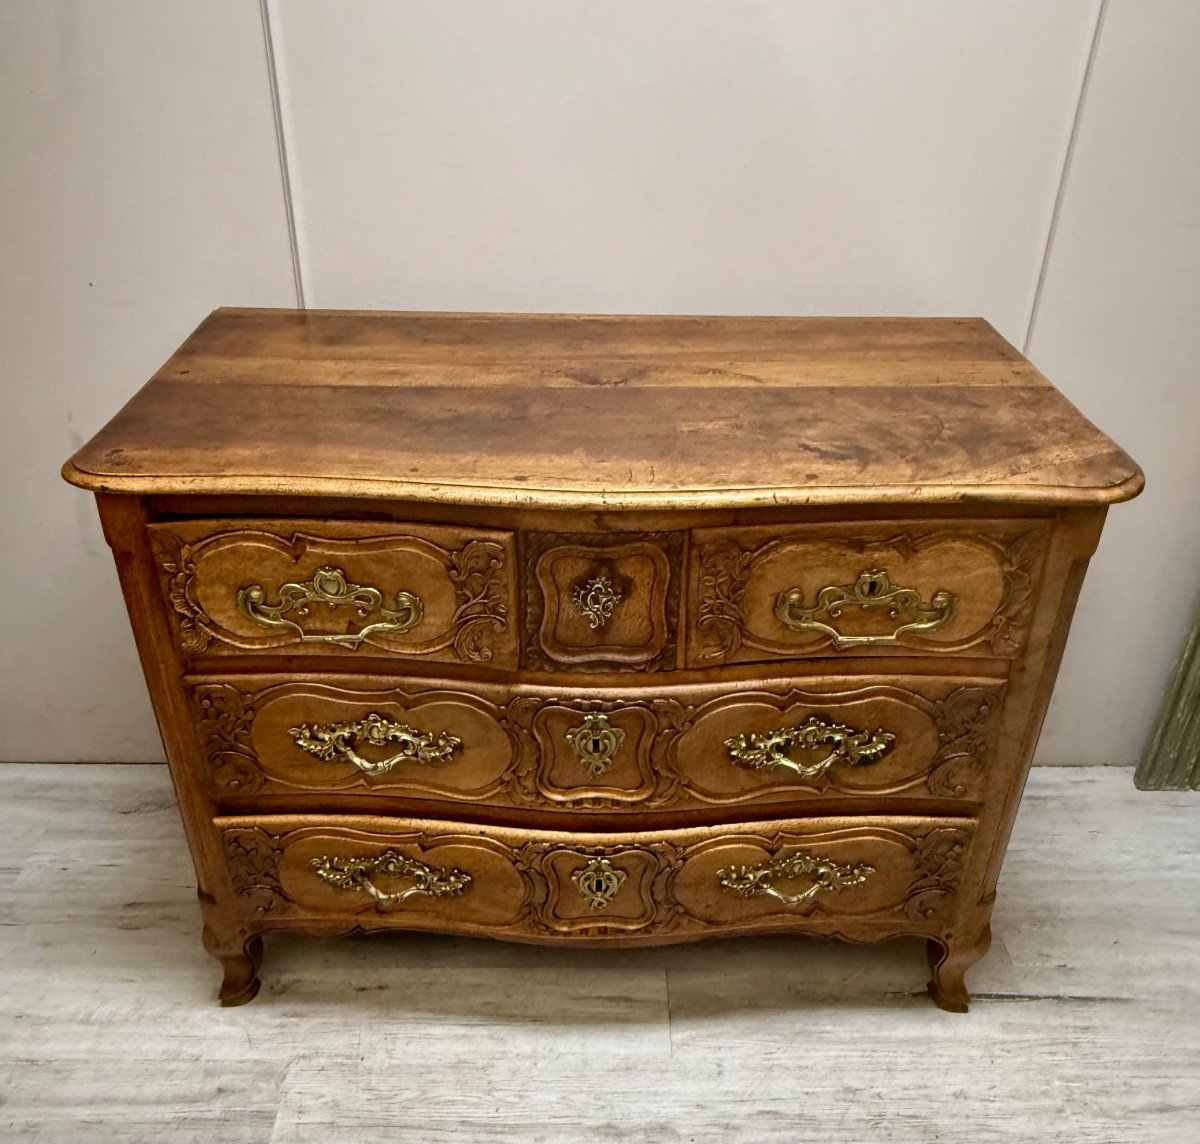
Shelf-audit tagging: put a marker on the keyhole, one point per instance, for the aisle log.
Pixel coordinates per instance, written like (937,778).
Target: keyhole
(872,587)
(597,745)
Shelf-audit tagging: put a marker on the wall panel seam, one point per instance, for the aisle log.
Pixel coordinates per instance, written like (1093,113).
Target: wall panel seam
(264,7)
(1064,174)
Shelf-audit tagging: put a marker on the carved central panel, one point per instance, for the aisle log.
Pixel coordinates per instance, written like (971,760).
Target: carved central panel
(598,602)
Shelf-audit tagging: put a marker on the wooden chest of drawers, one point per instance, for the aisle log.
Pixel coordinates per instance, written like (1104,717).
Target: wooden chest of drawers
(599,630)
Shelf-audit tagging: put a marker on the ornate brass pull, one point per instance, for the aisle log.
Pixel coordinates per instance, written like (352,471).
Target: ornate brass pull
(598,882)
(595,741)
(355,874)
(872,589)
(329,586)
(827,875)
(336,742)
(850,747)
(595,600)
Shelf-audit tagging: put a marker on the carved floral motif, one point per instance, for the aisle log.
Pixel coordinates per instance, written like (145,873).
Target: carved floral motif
(474,571)
(253,855)
(175,557)
(724,570)
(966,722)
(938,857)
(225,719)
(1020,558)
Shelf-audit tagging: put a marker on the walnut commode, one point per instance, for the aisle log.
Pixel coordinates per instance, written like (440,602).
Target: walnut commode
(599,630)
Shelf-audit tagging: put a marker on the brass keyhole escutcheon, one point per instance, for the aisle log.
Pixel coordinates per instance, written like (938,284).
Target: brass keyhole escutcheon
(594,885)
(595,741)
(598,882)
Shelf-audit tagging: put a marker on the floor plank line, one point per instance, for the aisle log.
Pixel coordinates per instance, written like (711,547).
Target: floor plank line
(1085,1027)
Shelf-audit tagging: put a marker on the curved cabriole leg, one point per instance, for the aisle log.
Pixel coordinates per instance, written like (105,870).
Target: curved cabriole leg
(239,957)
(949,961)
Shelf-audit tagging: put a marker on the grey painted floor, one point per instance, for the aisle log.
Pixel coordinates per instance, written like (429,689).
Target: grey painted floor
(1086,1026)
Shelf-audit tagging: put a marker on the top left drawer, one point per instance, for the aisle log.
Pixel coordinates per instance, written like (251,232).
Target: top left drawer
(340,588)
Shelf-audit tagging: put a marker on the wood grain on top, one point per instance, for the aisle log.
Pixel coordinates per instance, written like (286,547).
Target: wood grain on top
(620,411)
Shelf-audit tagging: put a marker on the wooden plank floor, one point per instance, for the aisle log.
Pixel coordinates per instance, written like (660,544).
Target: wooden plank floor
(1086,1026)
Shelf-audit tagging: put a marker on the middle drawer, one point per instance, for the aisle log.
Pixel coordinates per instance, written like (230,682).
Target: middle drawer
(521,747)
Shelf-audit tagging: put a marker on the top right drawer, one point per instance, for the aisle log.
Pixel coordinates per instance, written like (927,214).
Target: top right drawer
(876,588)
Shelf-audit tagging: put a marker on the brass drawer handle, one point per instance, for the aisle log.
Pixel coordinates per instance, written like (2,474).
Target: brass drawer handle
(828,876)
(595,600)
(355,874)
(595,741)
(329,586)
(336,742)
(850,747)
(872,589)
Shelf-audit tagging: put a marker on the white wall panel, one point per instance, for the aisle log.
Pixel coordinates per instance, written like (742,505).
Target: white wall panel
(787,156)
(1117,329)
(139,188)
(764,156)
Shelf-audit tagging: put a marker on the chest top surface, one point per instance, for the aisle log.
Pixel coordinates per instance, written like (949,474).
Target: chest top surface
(589,411)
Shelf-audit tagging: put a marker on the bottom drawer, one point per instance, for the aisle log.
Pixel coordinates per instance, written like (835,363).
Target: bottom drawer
(860,877)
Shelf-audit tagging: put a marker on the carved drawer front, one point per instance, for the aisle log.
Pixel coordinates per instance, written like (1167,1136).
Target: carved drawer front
(262,736)
(894,588)
(334,588)
(603,601)
(910,736)
(857,876)
(680,748)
